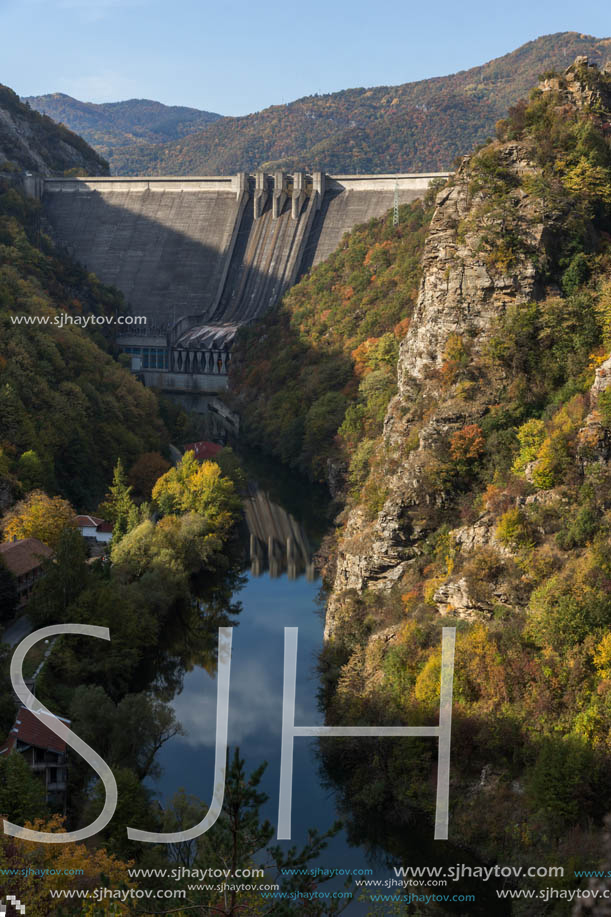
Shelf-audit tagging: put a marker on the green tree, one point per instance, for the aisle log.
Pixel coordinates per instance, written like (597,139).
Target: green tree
(22,796)
(563,780)
(65,576)
(240,839)
(128,734)
(39,516)
(118,507)
(30,470)
(199,488)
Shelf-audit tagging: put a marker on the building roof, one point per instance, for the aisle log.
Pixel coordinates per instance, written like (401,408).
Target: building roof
(25,555)
(204,450)
(85,521)
(29,730)
(105,527)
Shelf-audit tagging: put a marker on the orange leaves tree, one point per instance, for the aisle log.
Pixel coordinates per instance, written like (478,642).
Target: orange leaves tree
(32,871)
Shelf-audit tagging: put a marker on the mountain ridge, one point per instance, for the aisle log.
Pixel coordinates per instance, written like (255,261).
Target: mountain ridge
(416,126)
(108,125)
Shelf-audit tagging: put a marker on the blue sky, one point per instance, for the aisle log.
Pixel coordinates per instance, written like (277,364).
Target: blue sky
(240,57)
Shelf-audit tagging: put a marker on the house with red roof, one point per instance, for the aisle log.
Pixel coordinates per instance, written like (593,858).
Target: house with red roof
(205,451)
(44,751)
(24,558)
(94,527)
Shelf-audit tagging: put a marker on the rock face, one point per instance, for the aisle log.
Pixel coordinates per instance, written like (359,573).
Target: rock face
(595,435)
(461,295)
(460,292)
(576,89)
(31,141)
(471,276)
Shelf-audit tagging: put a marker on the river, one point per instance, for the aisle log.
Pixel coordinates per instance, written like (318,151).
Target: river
(285,519)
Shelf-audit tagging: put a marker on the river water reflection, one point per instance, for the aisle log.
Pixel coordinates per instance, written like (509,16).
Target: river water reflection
(280,589)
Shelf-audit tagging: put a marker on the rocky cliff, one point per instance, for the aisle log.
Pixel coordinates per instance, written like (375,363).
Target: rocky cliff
(491,246)
(31,141)
(487,507)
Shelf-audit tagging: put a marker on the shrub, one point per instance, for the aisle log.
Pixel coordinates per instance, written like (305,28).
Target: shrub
(531,436)
(562,781)
(467,445)
(566,608)
(604,408)
(513,529)
(576,273)
(360,462)
(580,527)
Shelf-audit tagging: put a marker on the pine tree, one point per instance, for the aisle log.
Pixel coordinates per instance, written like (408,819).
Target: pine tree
(119,508)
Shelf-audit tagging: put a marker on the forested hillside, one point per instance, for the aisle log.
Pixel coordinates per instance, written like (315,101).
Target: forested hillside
(68,410)
(312,379)
(486,507)
(112,125)
(417,126)
(452,378)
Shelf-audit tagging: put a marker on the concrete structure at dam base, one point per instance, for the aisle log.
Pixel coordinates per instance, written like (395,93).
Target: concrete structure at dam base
(196,258)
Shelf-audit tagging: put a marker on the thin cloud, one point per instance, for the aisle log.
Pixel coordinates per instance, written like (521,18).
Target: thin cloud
(252,711)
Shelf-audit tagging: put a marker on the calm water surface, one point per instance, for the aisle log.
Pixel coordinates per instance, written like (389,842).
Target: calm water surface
(282,525)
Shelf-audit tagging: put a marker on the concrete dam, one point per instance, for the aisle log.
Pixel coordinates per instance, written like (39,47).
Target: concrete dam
(198,257)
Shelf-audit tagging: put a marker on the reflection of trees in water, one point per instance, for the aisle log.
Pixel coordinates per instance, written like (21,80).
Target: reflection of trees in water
(275,541)
(382,788)
(190,638)
(278,542)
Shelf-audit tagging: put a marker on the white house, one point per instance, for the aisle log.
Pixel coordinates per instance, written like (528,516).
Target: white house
(103,533)
(92,527)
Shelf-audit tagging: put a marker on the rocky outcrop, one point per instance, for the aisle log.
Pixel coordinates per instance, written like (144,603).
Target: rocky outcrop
(487,249)
(594,438)
(577,90)
(31,141)
(462,294)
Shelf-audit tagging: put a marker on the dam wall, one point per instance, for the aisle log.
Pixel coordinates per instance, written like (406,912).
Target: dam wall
(199,257)
(162,243)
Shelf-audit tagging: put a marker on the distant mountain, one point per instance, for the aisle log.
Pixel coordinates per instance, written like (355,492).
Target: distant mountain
(112,125)
(29,140)
(412,127)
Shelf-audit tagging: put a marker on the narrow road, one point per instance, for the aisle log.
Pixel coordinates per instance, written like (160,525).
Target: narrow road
(17,631)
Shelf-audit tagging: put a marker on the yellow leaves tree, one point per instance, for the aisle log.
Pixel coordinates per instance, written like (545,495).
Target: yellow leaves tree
(38,516)
(589,180)
(39,869)
(200,488)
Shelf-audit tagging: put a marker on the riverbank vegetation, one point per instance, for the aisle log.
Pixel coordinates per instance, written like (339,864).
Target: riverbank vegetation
(67,408)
